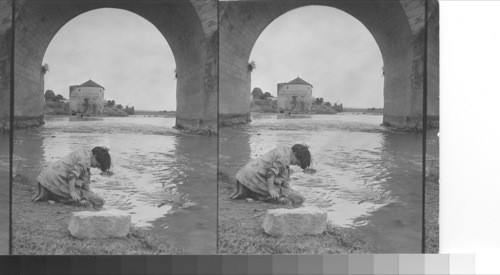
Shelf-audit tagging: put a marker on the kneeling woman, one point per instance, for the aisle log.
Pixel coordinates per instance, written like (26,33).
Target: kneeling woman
(68,179)
(267,177)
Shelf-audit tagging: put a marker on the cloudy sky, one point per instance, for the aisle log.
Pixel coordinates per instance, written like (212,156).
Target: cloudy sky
(326,47)
(132,60)
(119,50)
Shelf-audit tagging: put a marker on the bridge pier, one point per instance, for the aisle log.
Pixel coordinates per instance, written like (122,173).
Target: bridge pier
(397,27)
(190,28)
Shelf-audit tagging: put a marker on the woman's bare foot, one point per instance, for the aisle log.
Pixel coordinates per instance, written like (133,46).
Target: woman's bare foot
(240,191)
(41,193)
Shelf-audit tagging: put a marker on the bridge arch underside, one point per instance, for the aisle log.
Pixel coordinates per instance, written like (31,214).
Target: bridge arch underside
(37,22)
(397,27)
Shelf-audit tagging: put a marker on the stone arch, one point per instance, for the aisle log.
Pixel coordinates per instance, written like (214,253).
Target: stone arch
(397,27)
(187,26)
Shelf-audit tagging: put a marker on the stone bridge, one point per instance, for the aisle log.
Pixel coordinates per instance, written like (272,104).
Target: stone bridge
(190,28)
(396,25)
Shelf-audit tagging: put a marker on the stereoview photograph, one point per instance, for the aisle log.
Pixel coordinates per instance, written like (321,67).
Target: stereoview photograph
(321,106)
(115,140)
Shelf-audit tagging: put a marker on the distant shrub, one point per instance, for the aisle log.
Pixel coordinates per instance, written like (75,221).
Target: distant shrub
(130,110)
(251,66)
(257,93)
(45,68)
(50,95)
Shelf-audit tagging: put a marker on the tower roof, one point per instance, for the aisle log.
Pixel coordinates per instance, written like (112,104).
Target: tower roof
(90,83)
(299,80)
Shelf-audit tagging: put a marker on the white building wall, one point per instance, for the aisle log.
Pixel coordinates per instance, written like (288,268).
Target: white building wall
(302,94)
(95,96)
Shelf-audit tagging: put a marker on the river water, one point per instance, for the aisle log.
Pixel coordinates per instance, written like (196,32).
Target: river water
(165,178)
(368,177)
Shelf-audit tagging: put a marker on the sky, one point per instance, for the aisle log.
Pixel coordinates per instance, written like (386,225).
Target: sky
(326,47)
(119,50)
(131,59)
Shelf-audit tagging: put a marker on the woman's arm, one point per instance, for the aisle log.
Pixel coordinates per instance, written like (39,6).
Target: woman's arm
(86,186)
(72,189)
(285,184)
(270,186)
(279,166)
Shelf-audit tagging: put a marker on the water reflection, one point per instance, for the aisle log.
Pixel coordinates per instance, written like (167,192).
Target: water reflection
(164,178)
(368,178)
(194,219)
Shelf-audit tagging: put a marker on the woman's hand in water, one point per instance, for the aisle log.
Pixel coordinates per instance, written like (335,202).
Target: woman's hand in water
(274,194)
(107,173)
(309,171)
(75,196)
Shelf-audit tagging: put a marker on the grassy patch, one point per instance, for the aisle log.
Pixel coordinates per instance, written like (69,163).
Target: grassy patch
(432,214)
(234,240)
(41,229)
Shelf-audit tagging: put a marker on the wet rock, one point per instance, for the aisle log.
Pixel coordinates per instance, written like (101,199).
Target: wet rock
(107,173)
(295,222)
(111,223)
(188,204)
(309,171)
(52,202)
(249,200)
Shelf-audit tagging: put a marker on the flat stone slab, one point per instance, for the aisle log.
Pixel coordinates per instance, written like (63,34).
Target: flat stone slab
(110,223)
(295,222)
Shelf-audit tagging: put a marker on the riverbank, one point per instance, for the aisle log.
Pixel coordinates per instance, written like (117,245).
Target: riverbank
(4,212)
(240,231)
(39,228)
(155,113)
(432,193)
(60,108)
(271,106)
(431,214)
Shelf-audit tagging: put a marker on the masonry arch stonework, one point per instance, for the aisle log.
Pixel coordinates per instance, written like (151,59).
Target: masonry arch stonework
(397,26)
(190,28)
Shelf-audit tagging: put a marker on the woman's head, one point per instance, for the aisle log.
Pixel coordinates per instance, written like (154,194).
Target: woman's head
(102,157)
(302,154)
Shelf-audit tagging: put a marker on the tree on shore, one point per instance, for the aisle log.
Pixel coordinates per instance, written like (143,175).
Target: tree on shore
(50,96)
(119,106)
(257,93)
(338,107)
(130,110)
(110,103)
